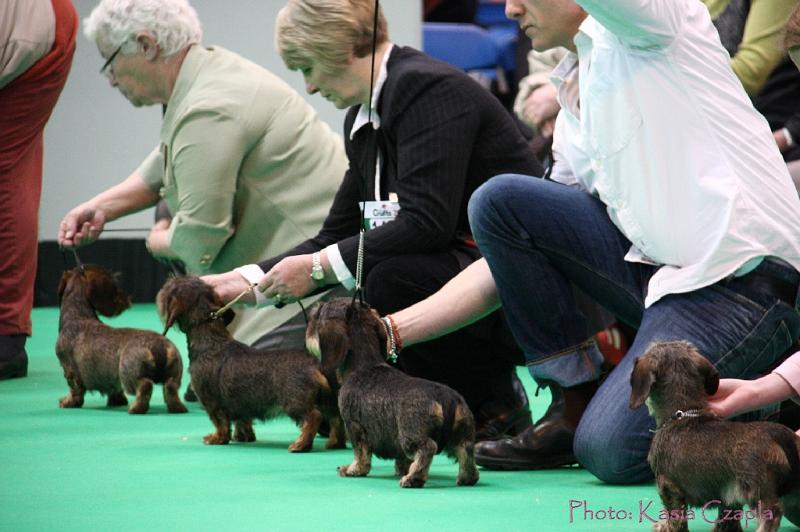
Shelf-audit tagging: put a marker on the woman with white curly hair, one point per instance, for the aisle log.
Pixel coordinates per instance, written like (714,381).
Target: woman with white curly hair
(244,164)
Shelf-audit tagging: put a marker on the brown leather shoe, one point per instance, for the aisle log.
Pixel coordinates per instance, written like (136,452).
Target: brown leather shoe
(499,420)
(548,443)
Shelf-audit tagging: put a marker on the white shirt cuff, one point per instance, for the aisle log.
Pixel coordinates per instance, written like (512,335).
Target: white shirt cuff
(253,274)
(343,274)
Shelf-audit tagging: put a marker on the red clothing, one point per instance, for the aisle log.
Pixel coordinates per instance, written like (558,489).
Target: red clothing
(25,107)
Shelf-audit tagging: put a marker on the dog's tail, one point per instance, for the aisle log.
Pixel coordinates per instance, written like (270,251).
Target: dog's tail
(788,441)
(445,434)
(161,360)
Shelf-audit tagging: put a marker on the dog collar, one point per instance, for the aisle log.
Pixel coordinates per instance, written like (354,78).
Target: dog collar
(680,414)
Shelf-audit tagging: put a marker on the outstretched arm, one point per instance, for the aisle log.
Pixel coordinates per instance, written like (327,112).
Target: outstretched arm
(83,224)
(736,396)
(466,298)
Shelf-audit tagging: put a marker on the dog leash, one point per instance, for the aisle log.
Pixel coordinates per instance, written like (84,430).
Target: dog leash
(78,261)
(359,289)
(219,312)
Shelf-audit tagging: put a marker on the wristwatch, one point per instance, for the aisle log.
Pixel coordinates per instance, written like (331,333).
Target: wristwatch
(317,273)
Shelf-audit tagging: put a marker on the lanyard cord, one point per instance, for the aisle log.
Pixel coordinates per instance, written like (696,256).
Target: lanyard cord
(359,291)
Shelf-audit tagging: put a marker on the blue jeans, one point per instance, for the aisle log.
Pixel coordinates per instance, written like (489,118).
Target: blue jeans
(537,236)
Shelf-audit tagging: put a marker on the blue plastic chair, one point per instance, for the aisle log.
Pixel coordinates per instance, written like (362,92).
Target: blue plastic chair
(493,14)
(468,47)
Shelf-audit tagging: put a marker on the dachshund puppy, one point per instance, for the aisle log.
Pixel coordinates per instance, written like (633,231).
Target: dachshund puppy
(385,411)
(702,460)
(237,383)
(97,357)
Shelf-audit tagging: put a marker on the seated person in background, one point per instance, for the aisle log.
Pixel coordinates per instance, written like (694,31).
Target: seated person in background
(245,165)
(536,104)
(750,30)
(435,136)
(691,236)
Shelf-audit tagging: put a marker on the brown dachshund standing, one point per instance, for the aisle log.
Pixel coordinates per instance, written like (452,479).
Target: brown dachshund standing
(237,383)
(96,357)
(704,461)
(385,411)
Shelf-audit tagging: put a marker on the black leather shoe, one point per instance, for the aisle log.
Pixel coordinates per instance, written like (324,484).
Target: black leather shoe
(13,358)
(546,444)
(498,420)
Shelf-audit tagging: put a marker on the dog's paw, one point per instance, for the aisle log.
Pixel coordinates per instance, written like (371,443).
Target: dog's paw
(350,470)
(412,482)
(300,447)
(468,480)
(70,402)
(179,408)
(138,408)
(215,439)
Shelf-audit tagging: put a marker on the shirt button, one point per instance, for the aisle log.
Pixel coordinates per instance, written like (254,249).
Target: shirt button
(205,259)
(596,165)
(162,192)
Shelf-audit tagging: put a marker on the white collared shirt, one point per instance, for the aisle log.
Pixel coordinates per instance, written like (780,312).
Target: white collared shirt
(665,135)
(343,274)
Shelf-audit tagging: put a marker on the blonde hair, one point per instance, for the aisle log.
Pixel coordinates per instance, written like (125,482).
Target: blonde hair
(791,37)
(327,31)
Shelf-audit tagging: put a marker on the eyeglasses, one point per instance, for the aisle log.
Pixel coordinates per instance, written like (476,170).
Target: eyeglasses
(104,69)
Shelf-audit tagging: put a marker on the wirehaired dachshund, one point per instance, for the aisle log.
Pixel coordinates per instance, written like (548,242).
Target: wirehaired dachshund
(112,361)
(238,383)
(385,411)
(702,460)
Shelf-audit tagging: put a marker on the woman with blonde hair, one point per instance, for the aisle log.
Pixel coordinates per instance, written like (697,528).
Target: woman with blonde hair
(425,140)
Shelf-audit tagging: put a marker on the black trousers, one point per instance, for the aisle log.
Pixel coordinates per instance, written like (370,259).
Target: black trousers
(478,361)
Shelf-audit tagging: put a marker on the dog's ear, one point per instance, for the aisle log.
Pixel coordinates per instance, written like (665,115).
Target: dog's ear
(380,332)
(710,376)
(334,343)
(170,309)
(642,378)
(62,285)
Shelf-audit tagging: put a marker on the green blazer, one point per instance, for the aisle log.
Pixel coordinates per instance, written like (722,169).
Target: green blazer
(247,169)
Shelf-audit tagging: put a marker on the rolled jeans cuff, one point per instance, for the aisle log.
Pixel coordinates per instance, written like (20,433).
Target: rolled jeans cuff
(570,367)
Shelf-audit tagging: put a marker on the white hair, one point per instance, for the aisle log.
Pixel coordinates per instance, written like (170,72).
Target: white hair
(173,22)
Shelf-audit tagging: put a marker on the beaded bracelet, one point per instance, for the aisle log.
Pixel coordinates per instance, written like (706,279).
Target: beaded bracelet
(395,343)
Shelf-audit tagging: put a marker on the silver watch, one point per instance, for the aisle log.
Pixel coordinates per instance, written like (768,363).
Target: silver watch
(317,273)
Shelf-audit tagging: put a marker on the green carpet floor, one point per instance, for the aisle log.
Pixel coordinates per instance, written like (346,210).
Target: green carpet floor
(97,469)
